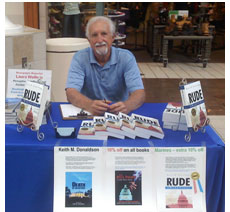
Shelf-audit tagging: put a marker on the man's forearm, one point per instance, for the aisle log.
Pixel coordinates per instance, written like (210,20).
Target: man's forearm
(135,100)
(78,99)
(96,107)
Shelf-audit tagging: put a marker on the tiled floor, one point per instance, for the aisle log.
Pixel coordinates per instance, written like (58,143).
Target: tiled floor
(218,123)
(182,70)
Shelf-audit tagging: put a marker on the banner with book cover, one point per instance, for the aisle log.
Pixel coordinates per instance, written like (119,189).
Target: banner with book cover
(135,178)
(180,179)
(78,178)
(128,179)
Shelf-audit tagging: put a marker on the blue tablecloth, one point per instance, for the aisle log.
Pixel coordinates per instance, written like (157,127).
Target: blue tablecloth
(29,163)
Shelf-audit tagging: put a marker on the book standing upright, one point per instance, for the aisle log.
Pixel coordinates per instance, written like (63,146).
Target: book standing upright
(194,107)
(32,106)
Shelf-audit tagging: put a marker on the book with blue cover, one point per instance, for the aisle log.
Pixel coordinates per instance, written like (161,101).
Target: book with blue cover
(78,190)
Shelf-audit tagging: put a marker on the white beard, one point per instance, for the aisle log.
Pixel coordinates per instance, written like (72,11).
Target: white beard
(101,50)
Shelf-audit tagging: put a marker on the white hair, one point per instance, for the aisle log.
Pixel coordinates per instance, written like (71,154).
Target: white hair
(100,18)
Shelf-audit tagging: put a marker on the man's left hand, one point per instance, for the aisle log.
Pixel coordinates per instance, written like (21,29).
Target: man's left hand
(118,107)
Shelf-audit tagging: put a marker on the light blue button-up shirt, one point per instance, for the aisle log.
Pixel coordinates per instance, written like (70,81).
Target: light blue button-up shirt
(119,77)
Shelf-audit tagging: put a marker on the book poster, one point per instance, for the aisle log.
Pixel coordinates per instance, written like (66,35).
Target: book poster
(78,192)
(78,179)
(128,183)
(181,179)
(128,187)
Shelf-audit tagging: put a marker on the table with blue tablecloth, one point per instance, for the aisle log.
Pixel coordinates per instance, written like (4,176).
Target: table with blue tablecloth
(29,163)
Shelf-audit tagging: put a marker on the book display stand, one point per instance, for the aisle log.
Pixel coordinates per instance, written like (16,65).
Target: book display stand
(203,120)
(40,135)
(33,107)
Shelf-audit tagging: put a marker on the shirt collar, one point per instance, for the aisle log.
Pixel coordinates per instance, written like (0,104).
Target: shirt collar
(113,59)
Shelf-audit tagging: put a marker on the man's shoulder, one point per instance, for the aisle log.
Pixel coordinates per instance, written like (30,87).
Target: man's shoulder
(82,54)
(83,51)
(123,52)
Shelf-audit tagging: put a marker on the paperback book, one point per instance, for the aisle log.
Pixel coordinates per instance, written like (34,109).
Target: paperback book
(194,105)
(147,126)
(175,127)
(128,187)
(33,104)
(11,104)
(11,110)
(99,125)
(127,125)
(113,125)
(174,117)
(87,131)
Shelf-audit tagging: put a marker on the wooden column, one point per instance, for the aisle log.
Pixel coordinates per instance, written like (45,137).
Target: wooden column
(31,14)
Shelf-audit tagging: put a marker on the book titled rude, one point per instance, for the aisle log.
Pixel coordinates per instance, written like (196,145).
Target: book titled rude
(174,113)
(174,117)
(194,106)
(33,104)
(127,126)
(147,126)
(113,125)
(99,125)
(87,131)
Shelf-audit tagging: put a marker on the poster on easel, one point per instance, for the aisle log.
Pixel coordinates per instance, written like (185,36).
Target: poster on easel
(180,179)
(129,179)
(78,182)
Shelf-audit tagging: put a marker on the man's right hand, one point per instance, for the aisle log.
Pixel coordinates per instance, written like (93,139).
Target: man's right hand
(96,107)
(99,107)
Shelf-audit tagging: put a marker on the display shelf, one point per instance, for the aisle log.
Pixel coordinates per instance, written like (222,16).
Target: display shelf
(55,14)
(119,43)
(121,23)
(116,16)
(120,36)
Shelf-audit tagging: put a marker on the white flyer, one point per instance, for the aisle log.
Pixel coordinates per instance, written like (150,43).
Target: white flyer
(129,179)
(18,77)
(78,183)
(181,174)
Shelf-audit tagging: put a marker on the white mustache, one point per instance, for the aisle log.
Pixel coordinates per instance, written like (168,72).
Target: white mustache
(100,44)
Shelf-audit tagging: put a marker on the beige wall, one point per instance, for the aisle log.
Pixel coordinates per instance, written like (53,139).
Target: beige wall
(15,12)
(43,17)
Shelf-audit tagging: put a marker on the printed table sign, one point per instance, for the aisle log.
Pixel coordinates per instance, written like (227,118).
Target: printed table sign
(18,77)
(181,179)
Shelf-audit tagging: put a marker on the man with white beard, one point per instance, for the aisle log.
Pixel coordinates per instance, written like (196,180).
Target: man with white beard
(104,78)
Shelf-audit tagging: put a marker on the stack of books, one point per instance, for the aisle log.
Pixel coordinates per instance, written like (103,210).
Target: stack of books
(174,117)
(120,126)
(11,110)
